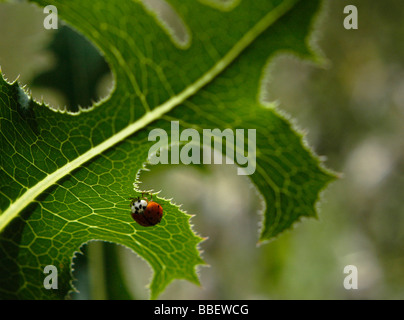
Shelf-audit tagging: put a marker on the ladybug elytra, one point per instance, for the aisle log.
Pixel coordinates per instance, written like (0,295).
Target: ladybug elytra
(144,212)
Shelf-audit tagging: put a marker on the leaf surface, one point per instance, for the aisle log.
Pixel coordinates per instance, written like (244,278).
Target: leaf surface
(65,178)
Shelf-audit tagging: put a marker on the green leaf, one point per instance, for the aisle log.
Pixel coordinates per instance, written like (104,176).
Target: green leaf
(65,178)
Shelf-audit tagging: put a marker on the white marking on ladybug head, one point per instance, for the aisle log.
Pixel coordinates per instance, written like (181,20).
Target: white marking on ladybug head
(138,206)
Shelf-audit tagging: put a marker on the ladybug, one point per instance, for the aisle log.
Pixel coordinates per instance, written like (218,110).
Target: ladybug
(144,212)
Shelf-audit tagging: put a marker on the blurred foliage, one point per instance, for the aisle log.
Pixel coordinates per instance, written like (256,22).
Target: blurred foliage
(79,68)
(353,111)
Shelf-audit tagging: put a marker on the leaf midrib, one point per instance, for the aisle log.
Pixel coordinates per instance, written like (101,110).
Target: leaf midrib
(271,17)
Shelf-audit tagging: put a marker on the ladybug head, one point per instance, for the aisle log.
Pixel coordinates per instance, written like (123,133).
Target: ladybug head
(138,205)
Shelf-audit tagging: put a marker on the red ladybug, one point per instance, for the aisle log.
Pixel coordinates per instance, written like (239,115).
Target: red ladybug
(146,213)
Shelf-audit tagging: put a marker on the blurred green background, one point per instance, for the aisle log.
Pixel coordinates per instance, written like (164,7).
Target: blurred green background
(352,110)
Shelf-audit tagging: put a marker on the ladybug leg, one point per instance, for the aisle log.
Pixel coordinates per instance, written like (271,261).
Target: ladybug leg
(143,193)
